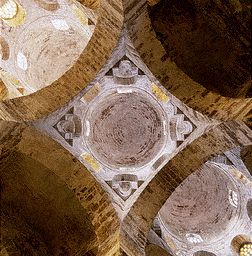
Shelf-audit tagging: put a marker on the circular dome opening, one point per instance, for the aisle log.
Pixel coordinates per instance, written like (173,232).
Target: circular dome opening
(126,129)
(205,204)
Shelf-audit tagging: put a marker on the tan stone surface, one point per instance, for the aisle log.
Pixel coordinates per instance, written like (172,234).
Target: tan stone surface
(216,141)
(4,49)
(172,77)
(21,140)
(84,70)
(153,250)
(54,204)
(50,5)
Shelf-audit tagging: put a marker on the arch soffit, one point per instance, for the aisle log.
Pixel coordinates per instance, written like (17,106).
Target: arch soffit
(50,98)
(174,79)
(27,141)
(156,193)
(28,186)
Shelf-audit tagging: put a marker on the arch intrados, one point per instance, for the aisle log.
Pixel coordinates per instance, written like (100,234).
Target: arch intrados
(84,70)
(27,187)
(206,63)
(174,79)
(174,173)
(70,171)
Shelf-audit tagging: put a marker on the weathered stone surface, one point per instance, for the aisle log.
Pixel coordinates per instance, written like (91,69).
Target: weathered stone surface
(49,5)
(171,76)
(114,157)
(153,250)
(210,42)
(216,141)
(33,194)
(246,155)
(91,60)
(69,172)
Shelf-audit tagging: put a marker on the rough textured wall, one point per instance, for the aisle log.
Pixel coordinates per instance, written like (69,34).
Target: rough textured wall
(216,141)
(171,76)
(34,194)
(45,46)
(35,152)
(71,175)
(18,238)
(3,91)
(209,41)
(154,250)
(84,70)
(246,155)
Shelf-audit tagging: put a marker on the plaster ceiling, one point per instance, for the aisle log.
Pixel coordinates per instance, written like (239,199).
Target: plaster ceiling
(126,129)
(201,205)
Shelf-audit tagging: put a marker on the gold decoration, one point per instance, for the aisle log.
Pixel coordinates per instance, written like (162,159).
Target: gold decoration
(91,161)
(161,96)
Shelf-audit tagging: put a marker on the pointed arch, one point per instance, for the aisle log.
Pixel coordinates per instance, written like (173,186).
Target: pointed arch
(91,60)
(216,141)
(31,148)
(171,76)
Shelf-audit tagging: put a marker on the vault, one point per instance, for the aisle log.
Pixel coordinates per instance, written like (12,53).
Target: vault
(73,76)
(46,46)
(204,40)
(32,194)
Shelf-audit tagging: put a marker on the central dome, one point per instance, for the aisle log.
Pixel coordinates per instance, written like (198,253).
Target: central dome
(126,129)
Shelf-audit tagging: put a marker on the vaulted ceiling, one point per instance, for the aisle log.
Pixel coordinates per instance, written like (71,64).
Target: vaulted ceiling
(124,127)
